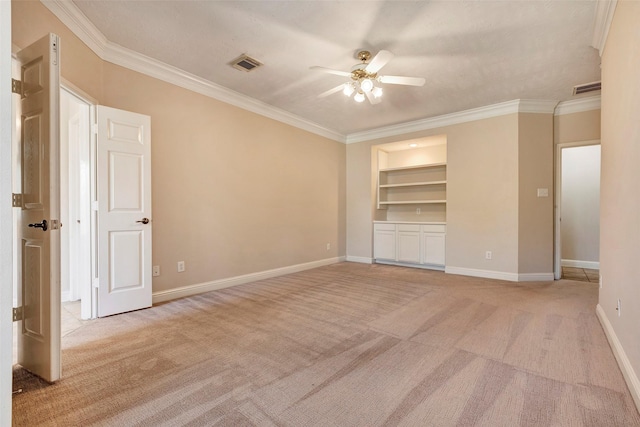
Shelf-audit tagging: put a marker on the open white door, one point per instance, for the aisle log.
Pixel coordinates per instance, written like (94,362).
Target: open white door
(38,227)
(124,211)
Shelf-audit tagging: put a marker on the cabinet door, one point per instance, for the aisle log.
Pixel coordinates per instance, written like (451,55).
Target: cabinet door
(384,244)
(434,248)
(409,246)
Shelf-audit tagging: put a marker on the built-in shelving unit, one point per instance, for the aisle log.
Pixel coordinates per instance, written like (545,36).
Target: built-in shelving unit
(412,185)
(410,226)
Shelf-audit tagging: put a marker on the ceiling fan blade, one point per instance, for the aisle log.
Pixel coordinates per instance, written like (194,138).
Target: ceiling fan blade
(379,61)
(330,71)
(372,99)
(331,91)
(400,80)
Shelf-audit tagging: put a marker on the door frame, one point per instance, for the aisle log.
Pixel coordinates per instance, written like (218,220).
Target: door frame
(557,238)
(88,292)
(6,218)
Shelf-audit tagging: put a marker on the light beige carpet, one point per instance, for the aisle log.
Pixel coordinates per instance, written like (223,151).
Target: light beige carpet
(343,345)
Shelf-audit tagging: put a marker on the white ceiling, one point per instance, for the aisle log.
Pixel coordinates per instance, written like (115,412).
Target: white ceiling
(472,54)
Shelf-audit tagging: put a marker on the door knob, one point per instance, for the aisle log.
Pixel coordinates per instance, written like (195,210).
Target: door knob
(42,225)
(144,220)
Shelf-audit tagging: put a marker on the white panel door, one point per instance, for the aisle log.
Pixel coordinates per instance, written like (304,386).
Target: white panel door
(38,223)
(384,242)
(124,211)
(409,246)
(434,248)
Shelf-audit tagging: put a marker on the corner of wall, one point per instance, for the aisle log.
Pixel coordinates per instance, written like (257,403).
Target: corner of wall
(629,374)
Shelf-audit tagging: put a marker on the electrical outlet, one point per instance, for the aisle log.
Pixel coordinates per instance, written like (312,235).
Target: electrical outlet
(181,267)
(156,270)
(618,308)
(328,246)
(488,255)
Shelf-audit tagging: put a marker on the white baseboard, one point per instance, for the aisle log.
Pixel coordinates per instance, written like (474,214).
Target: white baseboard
(199,288)
(360,259)
(500,275)
(594,265)
(487,274)
(535,277)
(65,295)
(412,265)
(628,372)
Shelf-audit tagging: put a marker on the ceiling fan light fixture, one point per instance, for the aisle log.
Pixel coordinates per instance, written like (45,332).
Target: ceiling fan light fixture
(377,92)
(359,97)
(366,85)
(348,89)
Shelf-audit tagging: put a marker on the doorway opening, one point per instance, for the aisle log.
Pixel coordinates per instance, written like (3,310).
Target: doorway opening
(577,236)
(77,192)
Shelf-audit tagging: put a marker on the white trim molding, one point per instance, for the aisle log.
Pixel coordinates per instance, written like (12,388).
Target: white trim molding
(199,288)
(6,215)
(500,275)
(487,274)
(359,259)
(594,265)
(410,265)
(624,363)
(603,18)
(78,23)
(495,110)
(578,105)
(535,277)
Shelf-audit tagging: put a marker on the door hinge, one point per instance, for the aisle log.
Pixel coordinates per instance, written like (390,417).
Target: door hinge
(16,86)
(18,314)
(94,128)
(16,200)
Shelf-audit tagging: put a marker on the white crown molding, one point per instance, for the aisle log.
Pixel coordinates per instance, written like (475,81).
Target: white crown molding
(604,15)
(495,110)
(578,105)
(78,23)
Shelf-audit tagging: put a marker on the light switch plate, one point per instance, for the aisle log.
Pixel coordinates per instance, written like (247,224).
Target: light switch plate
(543,192)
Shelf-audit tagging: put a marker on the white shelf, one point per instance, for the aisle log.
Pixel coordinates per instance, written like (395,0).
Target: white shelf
(405,189)
(432,165)
(413,184)
(414,202)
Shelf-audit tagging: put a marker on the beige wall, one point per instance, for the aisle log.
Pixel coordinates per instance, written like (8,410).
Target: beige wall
(535,214)
(583,126)
(494,168)
(30,21)
(233,192)
(481,193)
(620,175)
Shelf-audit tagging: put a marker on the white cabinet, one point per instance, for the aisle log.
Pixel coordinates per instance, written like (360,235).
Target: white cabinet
(411,244)
(434,246)
(384,238)
(408,243)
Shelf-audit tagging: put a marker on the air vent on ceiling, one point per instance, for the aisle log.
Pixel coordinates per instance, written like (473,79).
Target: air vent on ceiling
(245,63)
(588,87)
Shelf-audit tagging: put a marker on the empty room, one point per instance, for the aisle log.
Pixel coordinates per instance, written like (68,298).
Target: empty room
(319,213)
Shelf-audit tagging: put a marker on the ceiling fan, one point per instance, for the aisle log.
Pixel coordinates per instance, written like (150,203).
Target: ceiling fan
(364,77)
